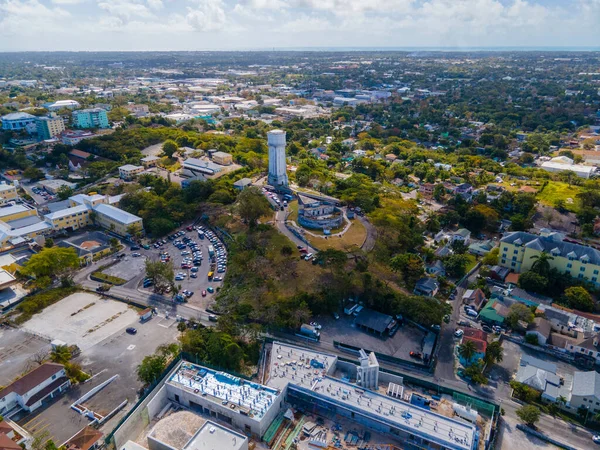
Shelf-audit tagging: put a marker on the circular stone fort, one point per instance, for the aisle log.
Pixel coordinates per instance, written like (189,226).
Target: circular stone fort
(318,214)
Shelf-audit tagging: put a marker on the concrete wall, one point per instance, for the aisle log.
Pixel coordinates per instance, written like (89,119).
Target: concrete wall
(140,417)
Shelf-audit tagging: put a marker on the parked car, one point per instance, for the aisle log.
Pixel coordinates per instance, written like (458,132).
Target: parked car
(336,316)
(459,333)
(416,355)
(131,330)
(203,293)
(210,289)
(596,438)
(136,255)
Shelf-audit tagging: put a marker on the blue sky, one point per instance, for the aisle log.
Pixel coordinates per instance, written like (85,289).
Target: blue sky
(265,24)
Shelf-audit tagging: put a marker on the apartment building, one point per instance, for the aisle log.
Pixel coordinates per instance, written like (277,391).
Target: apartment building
(90,118)
(48,127)
(518,252)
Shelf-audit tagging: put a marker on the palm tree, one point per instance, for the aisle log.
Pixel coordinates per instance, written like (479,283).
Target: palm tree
(61,354)
(493,353)
(467,351)
(541,265)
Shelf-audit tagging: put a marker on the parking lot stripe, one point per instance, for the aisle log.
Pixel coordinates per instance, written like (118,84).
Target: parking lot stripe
(35,418)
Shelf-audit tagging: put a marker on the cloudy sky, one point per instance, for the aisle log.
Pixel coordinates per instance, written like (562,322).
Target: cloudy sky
(266,24)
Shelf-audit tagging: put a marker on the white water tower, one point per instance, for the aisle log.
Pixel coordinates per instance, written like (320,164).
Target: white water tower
(277,165)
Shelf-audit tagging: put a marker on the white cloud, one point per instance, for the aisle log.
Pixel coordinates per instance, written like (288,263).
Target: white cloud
(125,10)
(27,16)
(67,2)
(207,15)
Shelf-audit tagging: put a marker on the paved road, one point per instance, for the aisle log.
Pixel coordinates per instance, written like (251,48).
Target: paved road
(369,243)
(151,300)
(280,217)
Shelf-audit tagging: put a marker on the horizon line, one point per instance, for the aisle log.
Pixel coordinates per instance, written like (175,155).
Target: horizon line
(524,48)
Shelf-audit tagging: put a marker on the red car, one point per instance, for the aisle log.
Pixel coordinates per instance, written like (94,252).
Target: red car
(190,228)
(203,293)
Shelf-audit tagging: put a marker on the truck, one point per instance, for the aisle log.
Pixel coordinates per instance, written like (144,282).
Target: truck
(211,251)
(145,315)
(309,331)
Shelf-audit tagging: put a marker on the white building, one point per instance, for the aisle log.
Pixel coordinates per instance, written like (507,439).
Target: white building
(248,406)
(60,104)
(129,171)
(30,391)
(277,164)
(561,164)
(367,373)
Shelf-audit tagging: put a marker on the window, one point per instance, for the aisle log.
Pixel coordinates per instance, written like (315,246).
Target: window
(504,255)
(582,269)
(516,252)
(513,264)
(594,279)
(505,249)
(580,275)
(569,265)
(596,272)
(503,261)
(514,258)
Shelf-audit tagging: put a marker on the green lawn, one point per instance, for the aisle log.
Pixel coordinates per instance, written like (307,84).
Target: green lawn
(556,190)
(472,261)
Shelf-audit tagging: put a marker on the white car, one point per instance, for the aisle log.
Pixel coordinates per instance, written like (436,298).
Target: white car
(596,438)
(458,333)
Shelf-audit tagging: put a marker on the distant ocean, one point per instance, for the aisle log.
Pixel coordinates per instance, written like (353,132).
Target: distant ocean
(434,49)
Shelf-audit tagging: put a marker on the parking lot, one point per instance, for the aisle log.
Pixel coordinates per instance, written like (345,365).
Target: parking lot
(192,262)
(343,330)
(17,351)
(81,319)
(116,353)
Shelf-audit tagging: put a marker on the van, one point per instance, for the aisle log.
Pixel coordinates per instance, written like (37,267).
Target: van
(211,275)
(308,256)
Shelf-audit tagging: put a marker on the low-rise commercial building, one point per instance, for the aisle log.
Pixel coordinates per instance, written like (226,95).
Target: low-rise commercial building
(129,171)
(17,121)
(60,104)
(246,405)
(53,186)
(8,192)
(225,159)
(31,391)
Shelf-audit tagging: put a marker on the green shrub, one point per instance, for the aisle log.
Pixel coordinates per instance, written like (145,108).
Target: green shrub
(37,302)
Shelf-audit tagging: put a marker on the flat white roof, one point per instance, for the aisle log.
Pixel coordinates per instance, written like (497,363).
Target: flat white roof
(213,436)
(130,167)
(573,167)
(286,365)
(7,187)
(225,389)
(66,212)
(293,365)
(13,209)
(5,277)
(116,214)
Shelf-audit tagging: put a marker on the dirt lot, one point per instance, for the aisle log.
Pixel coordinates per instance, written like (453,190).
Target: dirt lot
(405,340)
(81,319)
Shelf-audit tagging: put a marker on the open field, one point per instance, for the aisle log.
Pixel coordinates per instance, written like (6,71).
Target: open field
(81,319)
(556,190)
(350,240)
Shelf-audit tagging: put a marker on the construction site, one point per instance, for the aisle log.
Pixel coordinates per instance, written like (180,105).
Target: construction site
(309,401)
